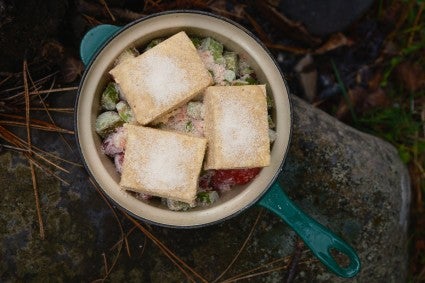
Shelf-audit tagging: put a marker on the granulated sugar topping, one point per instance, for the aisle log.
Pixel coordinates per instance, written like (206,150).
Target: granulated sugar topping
(237,128)
(163,78)
(166,165)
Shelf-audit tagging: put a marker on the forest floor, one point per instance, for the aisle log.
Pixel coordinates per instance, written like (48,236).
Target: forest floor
(371,75)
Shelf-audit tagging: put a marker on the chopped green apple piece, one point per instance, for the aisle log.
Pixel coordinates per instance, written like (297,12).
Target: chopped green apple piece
(231,59)
(196,41)
(154,43)
(176,205)
(207,197)
(110,97)
(107,122)
(239,82)
(250,80)
(244,68)
(215,47)
(125,112)
(229,75)
(195,110)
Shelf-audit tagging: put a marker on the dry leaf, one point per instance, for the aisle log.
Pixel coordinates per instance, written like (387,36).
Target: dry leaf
(239,10)
(219,5)
(71,68)
(179,4)
(412,75)
(390,48)
(392,12)
(262,35)
(335,41)
(362,100)
(354,95)
(52,51)
(307,73)
(375,99)
(290,28)
(376,79)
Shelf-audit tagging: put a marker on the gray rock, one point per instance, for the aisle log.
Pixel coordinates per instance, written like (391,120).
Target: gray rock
(349,181)
(324,17)
(356,185)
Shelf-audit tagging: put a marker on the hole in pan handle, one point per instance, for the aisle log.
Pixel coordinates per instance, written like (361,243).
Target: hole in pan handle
(318,238)
(94,39)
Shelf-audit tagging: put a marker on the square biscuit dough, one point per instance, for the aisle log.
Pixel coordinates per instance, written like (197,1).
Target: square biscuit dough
(162,163)
(162,78)
(236,127)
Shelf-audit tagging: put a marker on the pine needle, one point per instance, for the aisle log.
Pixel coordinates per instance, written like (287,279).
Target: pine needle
(47,171)
(105,264)
(242,247)
(20,94)
(37,124)
(150,4)
(255,271)
(49,115)
(124,239)
(174,258)
(20,143)
(287,48)
(5,79)
(284,260)
(235,279)
(33,177)
(344,92)
(415,23)
(66,110)
(123,235)
(107,10)
(91,20)
(54,90)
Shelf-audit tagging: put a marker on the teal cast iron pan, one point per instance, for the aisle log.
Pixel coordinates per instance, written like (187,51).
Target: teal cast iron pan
(99,48)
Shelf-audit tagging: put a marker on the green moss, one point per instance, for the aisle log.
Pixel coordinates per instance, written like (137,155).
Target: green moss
(30,258)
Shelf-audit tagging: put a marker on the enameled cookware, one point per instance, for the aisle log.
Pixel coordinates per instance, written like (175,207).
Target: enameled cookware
(99,48)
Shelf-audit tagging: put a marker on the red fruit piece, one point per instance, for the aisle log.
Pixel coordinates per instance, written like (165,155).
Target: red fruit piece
(224,179)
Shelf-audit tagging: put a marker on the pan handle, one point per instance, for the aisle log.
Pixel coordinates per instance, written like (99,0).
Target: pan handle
(317,237)
(94,39)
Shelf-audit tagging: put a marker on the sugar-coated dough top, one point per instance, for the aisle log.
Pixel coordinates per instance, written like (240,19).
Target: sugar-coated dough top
(162,78)
(162,163)
(237,127)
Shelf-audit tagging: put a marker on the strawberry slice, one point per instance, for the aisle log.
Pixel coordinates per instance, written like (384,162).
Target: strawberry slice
(224,179)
